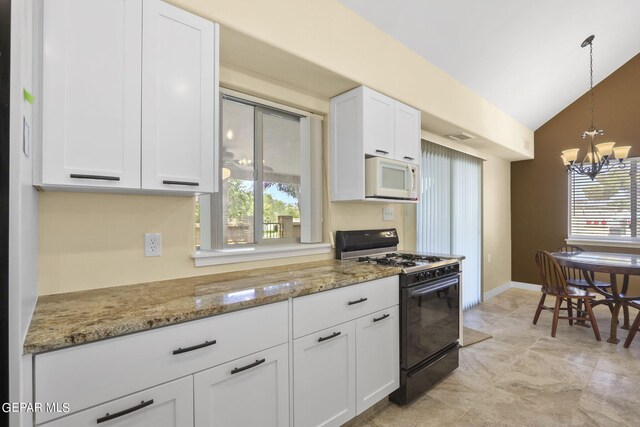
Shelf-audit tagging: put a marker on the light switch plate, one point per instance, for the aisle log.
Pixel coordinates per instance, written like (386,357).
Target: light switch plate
(388,214)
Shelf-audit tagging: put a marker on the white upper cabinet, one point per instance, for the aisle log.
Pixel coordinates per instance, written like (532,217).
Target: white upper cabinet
(130,97)
(407,133)
(91,93)
(378,123)
(365,123)
(178,99)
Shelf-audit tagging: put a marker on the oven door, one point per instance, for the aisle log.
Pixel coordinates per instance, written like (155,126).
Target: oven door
(430,319)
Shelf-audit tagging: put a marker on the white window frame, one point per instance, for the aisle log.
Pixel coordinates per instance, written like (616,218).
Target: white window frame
(212,250)
(601,241)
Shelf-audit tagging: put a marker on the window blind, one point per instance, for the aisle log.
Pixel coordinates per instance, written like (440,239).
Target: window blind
(449,214)
(607,207)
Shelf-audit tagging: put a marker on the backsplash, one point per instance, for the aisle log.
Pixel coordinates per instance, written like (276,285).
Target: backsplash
(89,241)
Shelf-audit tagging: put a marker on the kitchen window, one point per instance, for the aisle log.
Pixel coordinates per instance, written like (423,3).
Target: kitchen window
(605,211)
(270,192)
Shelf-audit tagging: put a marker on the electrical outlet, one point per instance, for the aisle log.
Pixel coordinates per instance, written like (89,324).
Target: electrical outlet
(388,214)
(152,244)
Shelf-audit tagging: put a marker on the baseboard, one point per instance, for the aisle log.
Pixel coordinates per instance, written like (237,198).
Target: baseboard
(526,286)
(508,285)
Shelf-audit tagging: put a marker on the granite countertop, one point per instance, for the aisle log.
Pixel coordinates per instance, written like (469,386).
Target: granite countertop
(73,318)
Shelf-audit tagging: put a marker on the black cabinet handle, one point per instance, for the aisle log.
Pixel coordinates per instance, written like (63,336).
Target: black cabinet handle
(249,366)
(357,301)
(409,158)
(190,183)
(108,416)
(380,318)
(382,152)
(195,347)
(335,334)
(102,177)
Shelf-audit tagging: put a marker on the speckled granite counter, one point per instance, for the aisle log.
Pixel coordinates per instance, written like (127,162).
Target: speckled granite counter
(74,318)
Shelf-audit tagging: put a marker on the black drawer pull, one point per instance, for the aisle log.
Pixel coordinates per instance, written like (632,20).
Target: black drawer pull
(357,301)
(102,177)
(108,416)
(195,347)
(249,366)
(382,152)
(335,334)
(409,158)
(190,183)
(380,318)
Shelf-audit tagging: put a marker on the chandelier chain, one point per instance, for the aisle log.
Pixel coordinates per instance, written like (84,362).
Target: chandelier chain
(591,84)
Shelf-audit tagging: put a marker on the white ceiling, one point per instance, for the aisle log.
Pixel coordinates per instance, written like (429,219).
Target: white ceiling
(524,56)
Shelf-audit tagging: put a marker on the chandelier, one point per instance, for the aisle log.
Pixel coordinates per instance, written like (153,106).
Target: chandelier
(600,157)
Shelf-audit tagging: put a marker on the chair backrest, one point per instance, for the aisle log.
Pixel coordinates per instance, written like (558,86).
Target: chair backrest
(551,274)
(571,273)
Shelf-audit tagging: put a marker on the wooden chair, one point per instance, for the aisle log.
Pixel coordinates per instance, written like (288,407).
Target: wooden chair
(555,285)
(636,324)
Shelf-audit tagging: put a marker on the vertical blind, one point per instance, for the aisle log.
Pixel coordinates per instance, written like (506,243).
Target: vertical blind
(450,212)
(607,207)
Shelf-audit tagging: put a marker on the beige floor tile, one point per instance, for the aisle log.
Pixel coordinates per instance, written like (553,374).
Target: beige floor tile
(523,377)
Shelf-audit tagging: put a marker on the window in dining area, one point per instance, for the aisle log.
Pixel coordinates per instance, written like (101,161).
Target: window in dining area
(607,207)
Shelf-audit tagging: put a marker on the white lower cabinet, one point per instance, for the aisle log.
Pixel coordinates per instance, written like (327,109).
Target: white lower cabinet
(377,357)
(167,405)
(249,391)
(339,372)
(324,377)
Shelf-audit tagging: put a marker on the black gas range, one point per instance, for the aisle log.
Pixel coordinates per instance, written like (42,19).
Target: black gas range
(429,306)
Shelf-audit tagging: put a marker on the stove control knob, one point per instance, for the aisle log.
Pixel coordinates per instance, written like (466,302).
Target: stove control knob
(429,274)
(421,276)
(448,269)
(438,273)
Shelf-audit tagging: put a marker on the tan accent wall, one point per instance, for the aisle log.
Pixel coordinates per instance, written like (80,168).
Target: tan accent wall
(539,201)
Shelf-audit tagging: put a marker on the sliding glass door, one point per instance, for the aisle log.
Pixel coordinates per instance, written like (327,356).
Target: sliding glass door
(449,215)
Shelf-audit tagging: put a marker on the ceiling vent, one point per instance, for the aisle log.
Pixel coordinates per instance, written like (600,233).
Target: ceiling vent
(460,136)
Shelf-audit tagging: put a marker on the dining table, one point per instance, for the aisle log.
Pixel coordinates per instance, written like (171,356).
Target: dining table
(615,265)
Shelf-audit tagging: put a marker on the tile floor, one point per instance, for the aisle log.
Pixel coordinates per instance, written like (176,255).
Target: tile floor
(523,377)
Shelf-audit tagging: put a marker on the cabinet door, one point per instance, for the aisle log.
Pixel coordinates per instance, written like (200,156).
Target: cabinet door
(178,100)
(377,357)
(407,133)
(378,123)
(91,93)
(167,405)
(324,377)
(250,391)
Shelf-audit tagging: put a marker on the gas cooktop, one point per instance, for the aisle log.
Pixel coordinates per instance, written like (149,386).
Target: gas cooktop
(409,262)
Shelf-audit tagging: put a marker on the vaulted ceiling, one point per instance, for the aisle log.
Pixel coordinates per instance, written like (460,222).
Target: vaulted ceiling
(524,56)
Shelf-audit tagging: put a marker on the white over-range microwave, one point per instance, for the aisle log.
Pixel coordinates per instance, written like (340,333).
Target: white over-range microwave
(391,179)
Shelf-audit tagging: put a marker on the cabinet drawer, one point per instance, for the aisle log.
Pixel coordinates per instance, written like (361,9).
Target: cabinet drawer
(312,313)
(167,405)
(90,374)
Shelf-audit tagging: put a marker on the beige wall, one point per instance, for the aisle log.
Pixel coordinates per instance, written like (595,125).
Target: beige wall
(90,240)
(327,33)
(496,223)
(96,240)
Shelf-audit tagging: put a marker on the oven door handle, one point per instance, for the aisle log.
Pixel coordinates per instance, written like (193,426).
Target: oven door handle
(434,288)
